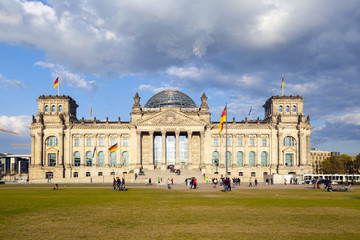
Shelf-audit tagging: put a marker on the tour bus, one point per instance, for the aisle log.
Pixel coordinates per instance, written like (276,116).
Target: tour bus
(335,178)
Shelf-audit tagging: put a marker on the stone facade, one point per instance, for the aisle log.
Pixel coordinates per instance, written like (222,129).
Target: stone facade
(63,147)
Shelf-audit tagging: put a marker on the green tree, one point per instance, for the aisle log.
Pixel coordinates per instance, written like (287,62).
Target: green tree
(357,164)
(348,163)
(332,165)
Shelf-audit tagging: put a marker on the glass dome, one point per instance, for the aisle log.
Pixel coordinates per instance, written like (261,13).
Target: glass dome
(170,99)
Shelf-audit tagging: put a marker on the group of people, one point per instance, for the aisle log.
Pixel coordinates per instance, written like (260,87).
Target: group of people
(251,182)
(191,182)
(317,182)
(119,184)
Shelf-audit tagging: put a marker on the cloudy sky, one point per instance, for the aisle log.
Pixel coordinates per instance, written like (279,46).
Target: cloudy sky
(234,51)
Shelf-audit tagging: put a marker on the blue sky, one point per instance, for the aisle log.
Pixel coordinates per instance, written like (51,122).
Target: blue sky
(234,51)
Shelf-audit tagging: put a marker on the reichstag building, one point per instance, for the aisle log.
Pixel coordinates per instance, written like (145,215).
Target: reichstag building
(169,130)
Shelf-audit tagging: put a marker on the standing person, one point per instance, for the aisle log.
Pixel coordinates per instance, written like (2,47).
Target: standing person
(146,182)
(229,184)
(118,182)
(285,181)
(158,181)
(250,182)
(195,183)
(150,181)
(114,184)
(225,182)
(256,182)
(172,181)
(168,183)
(123,184)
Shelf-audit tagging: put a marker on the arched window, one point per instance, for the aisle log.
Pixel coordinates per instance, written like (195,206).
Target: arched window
(215,159)
(89,159)
(264,159)
(52,141)
(228,158)
(46,108)
(101,159)
(125,159)
(289,141)
(294,108)
(113,157)
(280,108)
(252,159)
(77,159)
(240,159)
(287,108)
(53,109)
(60,108)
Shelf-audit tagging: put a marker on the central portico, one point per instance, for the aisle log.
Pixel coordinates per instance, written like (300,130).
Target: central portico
(170,131)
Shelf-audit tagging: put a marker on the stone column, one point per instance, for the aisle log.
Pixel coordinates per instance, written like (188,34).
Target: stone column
(138,149)
(41,153)
(107,153)
(33,163)
(151,149)
(202,149)
(246,153)
(189,136)
(258,152)
(61,152)
(163,155)
(177,149)
(83,155)
(234,152)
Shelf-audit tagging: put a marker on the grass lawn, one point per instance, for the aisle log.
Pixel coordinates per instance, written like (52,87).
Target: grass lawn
(36,212)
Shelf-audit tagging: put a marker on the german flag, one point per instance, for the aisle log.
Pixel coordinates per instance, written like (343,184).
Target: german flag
(222,120)
(56,83)
(113,148)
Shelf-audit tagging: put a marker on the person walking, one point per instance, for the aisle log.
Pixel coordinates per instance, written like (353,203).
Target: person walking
(195,183)
(172,181)
(250,182)
(158,181)
(114,184)
(256,182)
(168,183)
(150,181)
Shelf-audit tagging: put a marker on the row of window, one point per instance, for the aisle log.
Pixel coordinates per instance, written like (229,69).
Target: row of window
(287,141)
(240,142)
(240,159)
(89,159)
(287,108)
(101,142)
(320,153)
(53,108)
(53,141)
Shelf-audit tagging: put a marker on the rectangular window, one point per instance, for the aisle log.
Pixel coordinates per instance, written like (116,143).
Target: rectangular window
(76,142)
(113,141)
(289,160)
(100,173)
(240,142)
(112,173)
(253,174)
(52,159)
(101,142)
(252,142)
(215,142)
(125,142)
(241,174)
(76,174)
(88,142)
(264,142)
(228,142)
(88,174)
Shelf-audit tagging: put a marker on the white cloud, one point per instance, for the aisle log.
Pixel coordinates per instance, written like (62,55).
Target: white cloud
(350,118)
(18,124)
(16,83)
(156,89)
(69,78)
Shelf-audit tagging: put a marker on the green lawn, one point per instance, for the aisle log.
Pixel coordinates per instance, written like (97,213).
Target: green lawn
(100,213)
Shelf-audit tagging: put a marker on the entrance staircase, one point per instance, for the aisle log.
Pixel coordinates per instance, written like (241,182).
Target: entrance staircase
(165,174)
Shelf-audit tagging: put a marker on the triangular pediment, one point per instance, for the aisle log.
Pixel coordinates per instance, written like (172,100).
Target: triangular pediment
(171,118)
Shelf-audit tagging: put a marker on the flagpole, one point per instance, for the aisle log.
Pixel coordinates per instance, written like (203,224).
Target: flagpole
(226,154)
(282,84)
